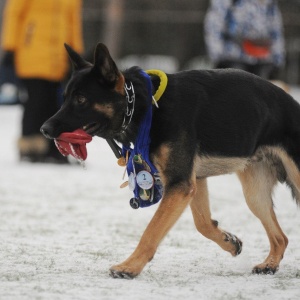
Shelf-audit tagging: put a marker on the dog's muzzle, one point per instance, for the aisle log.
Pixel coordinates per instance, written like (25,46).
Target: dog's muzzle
(47,131)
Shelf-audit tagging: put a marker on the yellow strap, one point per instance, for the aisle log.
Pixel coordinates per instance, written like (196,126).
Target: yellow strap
(163,82)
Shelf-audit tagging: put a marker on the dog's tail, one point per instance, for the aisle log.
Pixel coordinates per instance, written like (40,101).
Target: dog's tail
(295,191)
(288,171)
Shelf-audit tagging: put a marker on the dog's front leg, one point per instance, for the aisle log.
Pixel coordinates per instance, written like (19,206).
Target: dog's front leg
(171,207)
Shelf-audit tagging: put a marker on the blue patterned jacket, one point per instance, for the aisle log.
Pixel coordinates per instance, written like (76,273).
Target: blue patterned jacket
(227,24)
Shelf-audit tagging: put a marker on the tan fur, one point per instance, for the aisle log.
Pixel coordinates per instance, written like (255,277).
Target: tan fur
(290,166)
(108,109)
(172,205)
(105,109)
(36,144)
(160,159)
(119,87)
(167,214)
(258,182)
(283,85)
(258,175)
(207,166)
(203,222)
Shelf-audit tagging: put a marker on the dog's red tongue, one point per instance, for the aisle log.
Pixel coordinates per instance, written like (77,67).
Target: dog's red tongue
(73,143)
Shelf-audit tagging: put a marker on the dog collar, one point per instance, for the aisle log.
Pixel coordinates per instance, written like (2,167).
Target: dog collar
(130,96)
(130,99)
(163,83)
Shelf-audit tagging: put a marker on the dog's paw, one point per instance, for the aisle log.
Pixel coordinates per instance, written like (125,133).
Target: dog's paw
(235,241)
(267,270)
(270,266)
(122,273)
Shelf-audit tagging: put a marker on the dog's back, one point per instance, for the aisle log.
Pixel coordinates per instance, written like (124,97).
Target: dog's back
(231,112)
(232,118)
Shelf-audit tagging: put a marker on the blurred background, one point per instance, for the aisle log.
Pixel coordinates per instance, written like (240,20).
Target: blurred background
(169,33)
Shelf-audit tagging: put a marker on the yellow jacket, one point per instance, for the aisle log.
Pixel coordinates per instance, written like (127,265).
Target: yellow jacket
(36,30)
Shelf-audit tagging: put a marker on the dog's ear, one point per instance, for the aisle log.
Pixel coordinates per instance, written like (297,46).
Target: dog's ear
(77,61)
(104,66)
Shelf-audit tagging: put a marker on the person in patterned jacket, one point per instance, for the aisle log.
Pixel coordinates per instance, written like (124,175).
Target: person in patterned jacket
(245,34)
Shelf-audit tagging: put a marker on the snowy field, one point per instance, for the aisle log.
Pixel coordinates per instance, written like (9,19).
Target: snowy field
(62,227)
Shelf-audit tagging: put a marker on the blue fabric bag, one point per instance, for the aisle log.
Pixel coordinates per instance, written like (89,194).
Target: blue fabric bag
(143,177)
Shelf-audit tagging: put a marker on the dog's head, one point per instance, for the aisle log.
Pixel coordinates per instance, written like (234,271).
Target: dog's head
(93,99)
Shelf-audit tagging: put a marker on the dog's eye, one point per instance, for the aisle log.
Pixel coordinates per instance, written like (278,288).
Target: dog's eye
(81,99)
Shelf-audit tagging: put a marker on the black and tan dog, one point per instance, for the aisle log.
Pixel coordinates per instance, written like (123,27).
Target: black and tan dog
(208,123)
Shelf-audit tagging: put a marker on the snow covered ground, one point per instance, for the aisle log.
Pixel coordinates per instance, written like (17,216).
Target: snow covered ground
(62,227)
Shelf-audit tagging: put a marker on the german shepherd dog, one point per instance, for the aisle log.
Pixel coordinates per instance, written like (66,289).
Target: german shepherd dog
(208,123)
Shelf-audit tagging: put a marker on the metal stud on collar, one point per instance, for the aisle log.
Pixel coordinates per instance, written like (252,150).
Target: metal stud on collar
(130,98)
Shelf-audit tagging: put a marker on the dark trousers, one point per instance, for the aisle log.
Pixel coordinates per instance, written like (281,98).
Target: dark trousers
(42,103)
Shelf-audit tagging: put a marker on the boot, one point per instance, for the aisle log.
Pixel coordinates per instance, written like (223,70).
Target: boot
(37,149)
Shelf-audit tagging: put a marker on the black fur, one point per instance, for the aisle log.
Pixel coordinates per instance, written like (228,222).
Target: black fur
(224,113)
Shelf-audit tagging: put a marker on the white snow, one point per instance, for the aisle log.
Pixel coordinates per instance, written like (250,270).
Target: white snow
(62,227)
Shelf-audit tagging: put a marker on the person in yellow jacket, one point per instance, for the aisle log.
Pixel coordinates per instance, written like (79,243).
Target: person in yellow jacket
(33,37)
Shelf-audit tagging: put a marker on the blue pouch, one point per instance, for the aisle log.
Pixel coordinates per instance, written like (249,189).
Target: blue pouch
(143,177)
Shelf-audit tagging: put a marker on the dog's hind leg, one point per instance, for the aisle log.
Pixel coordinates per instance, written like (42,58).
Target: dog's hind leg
(208,227)
(258,181)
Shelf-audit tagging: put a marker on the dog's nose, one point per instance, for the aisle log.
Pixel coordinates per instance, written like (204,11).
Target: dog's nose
(46,131)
